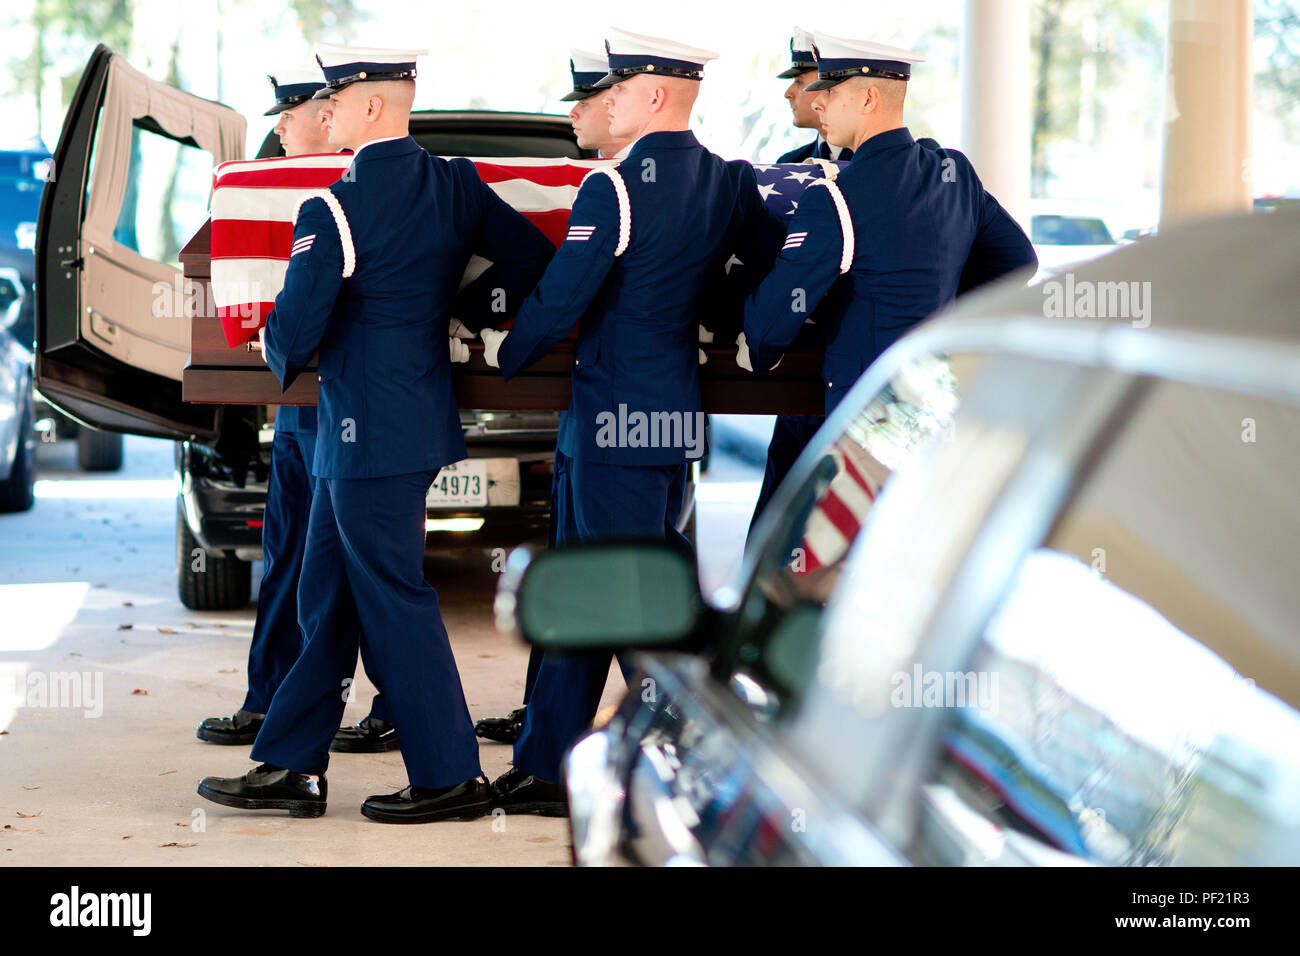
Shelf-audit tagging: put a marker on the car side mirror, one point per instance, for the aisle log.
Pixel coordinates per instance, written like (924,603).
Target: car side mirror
(608,595)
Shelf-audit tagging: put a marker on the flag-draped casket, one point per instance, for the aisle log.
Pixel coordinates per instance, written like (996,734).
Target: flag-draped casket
(238,261)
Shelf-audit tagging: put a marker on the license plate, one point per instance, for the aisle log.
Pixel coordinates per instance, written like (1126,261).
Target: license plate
(462,485)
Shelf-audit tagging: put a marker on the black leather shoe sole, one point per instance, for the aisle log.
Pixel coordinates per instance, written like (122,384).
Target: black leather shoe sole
(296,808)
(543,808)
(503,735)
(363,746)
(469,812)
(231,740)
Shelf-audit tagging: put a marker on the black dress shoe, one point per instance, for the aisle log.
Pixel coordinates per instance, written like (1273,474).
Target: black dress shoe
(518,792)
(242,728)
(503,730)
(268,787)
(468,800)
(369,735)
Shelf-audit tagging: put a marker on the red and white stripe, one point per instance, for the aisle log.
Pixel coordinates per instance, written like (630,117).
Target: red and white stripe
(255,202)
(838,516)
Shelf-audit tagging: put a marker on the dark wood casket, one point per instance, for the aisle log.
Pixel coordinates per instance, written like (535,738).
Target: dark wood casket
(218,374)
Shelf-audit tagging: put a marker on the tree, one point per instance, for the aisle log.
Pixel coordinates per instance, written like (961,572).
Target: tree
(1277,30)
(1085,54)
(65,28)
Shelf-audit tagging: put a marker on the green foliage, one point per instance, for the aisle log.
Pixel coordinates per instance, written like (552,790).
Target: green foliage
(1277,79)
(327,20)
(1086,54)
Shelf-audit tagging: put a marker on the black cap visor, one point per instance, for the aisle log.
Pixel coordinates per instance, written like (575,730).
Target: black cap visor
(796,71)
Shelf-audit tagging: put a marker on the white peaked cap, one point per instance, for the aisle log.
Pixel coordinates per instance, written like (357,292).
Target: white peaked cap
(336,54)
(624,43)
(838,48)
(293,75)
(801,39)
(585,61)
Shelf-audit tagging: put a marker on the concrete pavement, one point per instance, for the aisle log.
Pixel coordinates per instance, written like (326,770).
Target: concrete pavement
(98,759)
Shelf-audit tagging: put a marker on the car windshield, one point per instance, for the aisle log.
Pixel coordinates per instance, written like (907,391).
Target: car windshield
(1141,701)
(799,564)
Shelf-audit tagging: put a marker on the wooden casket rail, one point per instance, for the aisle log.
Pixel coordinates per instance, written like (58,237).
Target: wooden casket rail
(217,374)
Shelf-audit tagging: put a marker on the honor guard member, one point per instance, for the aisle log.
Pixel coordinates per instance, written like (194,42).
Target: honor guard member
(643,240)
(591,128)
(277,639)
(372,282)
(902,229)
(791,433)
(802,72)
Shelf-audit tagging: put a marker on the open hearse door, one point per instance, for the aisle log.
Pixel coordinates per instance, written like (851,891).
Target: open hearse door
(132,180)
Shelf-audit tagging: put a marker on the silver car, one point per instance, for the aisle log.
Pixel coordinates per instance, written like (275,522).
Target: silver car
(1030,597)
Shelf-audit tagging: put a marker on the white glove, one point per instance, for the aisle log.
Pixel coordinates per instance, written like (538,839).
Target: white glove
(703,358)
(457,329)
(261,341)
(742,355)
(705,335)
(459,350)
(492,339)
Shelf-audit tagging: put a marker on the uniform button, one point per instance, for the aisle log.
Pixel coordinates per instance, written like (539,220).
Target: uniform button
(319,379)
(577,361)
(830,384)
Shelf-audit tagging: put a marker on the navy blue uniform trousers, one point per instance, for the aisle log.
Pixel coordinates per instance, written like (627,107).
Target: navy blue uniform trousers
(592,501)
(790,436)
(277,638)
(365,562)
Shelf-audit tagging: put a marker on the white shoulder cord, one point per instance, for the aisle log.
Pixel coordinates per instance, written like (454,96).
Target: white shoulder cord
(340,220)
(624,206)
(828,167)
(846,223)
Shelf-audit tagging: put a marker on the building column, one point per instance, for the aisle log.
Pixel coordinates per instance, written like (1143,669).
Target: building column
(1209,94)
(995,95)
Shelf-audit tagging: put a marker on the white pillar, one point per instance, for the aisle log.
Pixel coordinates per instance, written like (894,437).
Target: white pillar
(1208,101)
(995,94)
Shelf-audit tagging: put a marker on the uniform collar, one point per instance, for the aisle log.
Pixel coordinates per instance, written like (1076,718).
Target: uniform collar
(889,139)
(834,150)
(383,148)
(622,153)
(665,139)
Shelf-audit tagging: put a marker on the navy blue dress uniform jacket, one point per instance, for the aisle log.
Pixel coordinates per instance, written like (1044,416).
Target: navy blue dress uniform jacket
(810,150)
(386,405)
(924,230)
(638,336)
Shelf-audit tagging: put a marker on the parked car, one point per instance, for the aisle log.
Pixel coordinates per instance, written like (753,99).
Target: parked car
(23,174)
(1027,598)
(17,417)
(112,225)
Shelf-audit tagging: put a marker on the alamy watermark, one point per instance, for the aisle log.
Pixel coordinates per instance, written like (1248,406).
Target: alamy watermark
(68,690)
(1066,298)
(639,429)
(922,688)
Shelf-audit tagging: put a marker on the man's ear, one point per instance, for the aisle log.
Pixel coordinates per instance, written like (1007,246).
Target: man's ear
(870,99)
(374,107)
(657,98)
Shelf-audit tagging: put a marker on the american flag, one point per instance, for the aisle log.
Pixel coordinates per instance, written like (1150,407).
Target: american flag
(840,511)
(781,184)
(254,203)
